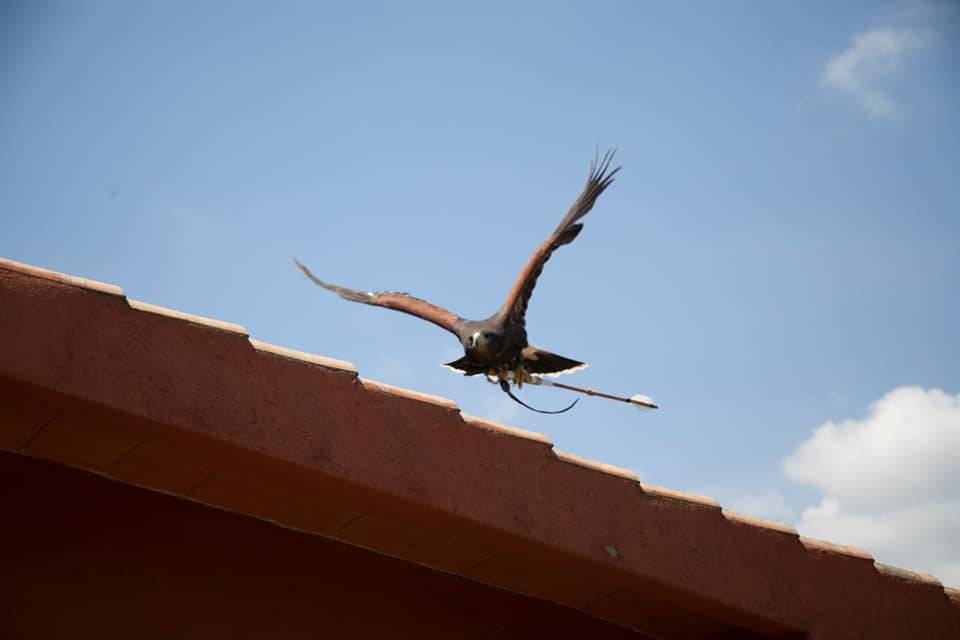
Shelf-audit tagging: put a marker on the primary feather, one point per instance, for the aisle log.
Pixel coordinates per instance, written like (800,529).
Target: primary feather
(599,178)
(403,302)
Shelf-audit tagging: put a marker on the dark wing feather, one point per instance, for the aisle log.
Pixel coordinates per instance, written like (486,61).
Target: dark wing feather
(536,360)
(392,300)
(598,180)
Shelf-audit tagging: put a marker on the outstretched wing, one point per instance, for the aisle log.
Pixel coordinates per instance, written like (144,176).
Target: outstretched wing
(600,177)
(392,300)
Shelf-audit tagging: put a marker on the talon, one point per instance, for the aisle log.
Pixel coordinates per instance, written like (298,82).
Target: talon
(520,375)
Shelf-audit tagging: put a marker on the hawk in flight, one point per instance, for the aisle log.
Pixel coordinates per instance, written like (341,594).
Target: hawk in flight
(497,347)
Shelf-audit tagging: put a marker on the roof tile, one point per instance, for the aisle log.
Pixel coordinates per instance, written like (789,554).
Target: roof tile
(593,465)
(823,546)
(220,325)
(303,356)
(76,281)
(400,392)
(759,522)
(953,594)
(682,496)
(904,574)
(490,425)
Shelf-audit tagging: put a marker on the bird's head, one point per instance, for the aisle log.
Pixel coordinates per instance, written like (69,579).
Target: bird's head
(481,341)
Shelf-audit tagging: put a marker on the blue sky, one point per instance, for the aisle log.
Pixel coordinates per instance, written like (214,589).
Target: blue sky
(779,251)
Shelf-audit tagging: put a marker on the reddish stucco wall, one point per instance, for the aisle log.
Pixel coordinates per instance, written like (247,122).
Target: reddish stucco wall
(192,406)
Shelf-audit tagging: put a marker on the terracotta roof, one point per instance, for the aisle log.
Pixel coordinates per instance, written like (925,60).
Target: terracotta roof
(193,407)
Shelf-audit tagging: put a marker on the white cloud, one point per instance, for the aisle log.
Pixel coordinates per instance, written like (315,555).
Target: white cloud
(872,55)
(769,505)
(890,481)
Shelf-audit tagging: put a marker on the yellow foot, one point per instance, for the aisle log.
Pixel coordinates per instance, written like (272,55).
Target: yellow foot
(520,376)
(495,375)
(517,375)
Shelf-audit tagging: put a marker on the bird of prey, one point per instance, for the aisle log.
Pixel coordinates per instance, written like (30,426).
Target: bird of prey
(498,347)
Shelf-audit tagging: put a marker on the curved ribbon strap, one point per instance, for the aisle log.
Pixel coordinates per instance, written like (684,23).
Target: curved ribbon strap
(506,389)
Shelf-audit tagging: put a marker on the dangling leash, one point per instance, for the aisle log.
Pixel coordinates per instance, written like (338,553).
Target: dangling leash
(505,385)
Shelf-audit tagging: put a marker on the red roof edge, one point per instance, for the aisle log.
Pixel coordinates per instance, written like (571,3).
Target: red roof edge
(520,505)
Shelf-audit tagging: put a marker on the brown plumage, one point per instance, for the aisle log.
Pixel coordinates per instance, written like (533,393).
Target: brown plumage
(498,345)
